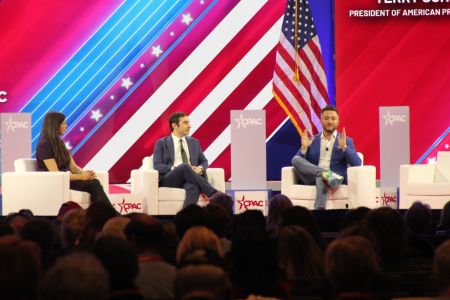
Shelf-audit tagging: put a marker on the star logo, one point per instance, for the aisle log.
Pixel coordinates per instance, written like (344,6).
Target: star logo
(112,97)
(82,129)
(96,115)
(10,125)
(126,83)
(156,51)
(187,19)
(431,160)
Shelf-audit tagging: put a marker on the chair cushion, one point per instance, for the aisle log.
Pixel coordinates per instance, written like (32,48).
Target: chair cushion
(80,197)
(308,192)
(171,194)
(429,189)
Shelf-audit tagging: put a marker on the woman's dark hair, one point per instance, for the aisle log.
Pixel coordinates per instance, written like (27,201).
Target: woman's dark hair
(50,132)
(444,221)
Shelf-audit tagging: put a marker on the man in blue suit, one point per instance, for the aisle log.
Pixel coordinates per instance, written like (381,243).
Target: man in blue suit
(323,161)
(180,161)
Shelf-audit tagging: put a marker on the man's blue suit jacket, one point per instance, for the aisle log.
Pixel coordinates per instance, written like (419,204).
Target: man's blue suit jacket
(164,156)
(340,160)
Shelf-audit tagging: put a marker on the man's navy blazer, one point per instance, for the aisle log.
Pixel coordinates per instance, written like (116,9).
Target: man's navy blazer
(164,156)
(340,160)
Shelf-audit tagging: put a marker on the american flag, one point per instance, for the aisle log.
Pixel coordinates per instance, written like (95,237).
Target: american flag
(144,60)
(299,81)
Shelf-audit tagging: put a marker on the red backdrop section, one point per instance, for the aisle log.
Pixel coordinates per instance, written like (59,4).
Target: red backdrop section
(392,61)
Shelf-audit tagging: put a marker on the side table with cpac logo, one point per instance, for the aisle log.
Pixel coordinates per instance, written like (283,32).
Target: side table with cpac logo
(126,203)
(251,200)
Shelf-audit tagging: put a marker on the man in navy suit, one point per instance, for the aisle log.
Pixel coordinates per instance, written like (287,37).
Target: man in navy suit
(180,161)
(323,161)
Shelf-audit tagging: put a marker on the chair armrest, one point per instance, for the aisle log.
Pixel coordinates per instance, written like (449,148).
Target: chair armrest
(361,186)
(288,178)
(216,177)
(103,177)
(41,192)
(147,163)
(145,184)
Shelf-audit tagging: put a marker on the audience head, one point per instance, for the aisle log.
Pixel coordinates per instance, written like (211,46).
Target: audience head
(65,208)
(120,260)
(254,266)
(145,233)
(351,263)
(5,229)
(189,216)
(389,230)
(223,200)
(301,216)
(355,217)
(17,220)
(444,221)
(71,227)
(76,276)
(201,256)
(217,219)
(441,266)
(115,227)
(249,218)
(202,282)
(418,218)
(299,255)
(40,231)
(198,237)
(277,205)
(19,268)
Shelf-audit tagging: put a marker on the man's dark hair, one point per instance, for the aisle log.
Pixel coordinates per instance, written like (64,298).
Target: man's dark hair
(330,108)
(175,118)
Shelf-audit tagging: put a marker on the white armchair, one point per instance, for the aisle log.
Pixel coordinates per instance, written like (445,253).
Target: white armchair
(359,191)
(429,184)
(41,192)
(165,200)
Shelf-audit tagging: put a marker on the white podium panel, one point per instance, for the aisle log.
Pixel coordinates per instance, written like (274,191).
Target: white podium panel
(394,143)
(15,136)
(248,150)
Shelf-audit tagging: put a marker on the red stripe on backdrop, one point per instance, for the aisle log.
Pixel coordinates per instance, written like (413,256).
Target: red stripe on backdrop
(238,99)
(42,36)
(153,82)
(391,62)
(274,117)
(200,88)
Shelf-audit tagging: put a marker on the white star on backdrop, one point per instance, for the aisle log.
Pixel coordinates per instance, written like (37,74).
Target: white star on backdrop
(187,19)
(96,114)
(82,129)
(156,51)
(202,2)
(447,146)
(172,33)
(112,97)
(126,83)
(432,161)
(68,146)
(142,65)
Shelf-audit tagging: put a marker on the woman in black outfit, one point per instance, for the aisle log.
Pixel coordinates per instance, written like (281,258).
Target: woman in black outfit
(52,155)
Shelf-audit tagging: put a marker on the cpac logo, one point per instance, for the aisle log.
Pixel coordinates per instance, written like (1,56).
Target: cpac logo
(391,119)
(2,98)
(126,206)
(386,199)
(244,122)
(13,125)
(249,203)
